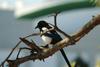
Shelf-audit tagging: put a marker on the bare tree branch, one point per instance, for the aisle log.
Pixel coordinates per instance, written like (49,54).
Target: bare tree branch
(87,28)
(2,64)
(64,43)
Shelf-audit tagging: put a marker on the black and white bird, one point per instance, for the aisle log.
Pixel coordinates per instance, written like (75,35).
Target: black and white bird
(50,37)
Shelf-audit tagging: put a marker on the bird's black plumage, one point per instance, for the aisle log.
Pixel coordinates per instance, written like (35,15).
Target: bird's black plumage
(55,37)
(51,37)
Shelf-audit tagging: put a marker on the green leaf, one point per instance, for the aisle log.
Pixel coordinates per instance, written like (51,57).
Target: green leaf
(60,7)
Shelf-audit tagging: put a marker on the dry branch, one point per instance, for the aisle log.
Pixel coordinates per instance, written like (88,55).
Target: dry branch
(64,43)
(87,28)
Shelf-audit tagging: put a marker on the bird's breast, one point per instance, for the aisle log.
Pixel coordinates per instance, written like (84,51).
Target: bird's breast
(46,39)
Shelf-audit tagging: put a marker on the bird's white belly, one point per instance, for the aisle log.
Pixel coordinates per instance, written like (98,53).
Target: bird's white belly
(46,39)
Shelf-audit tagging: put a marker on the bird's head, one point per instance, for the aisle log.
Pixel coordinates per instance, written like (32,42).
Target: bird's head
(42,24)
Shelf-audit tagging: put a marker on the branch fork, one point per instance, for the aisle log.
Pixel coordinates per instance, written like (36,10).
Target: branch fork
(45,53)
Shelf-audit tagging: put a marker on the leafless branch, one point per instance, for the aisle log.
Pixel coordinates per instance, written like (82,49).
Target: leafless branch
(2,64)
(45,53)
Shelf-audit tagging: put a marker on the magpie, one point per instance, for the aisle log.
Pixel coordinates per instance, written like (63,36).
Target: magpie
(50,37)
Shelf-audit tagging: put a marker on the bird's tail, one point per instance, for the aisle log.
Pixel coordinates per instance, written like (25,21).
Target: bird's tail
(65,57)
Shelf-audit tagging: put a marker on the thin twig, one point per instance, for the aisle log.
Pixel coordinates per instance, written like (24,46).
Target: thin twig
(2,64)
(31,45)
(55,19)
(65,42)
(20,51)
(59,30)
